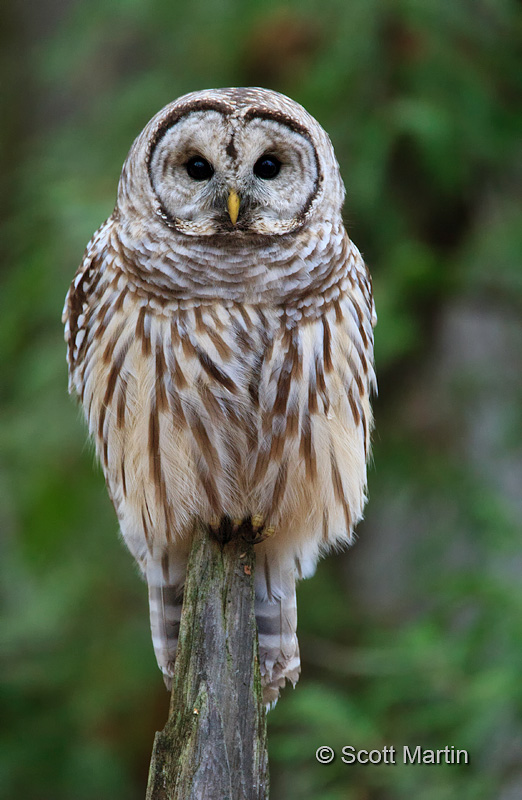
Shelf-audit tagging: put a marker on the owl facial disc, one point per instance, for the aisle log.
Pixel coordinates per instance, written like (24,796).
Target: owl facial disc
(235,169)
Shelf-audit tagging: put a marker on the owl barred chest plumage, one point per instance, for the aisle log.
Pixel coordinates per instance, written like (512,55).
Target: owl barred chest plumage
(220,340)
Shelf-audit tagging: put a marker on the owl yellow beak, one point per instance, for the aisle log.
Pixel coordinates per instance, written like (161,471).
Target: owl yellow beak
(233,206)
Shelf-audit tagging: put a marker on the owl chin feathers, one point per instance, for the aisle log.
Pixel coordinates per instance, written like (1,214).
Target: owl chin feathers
(244,230)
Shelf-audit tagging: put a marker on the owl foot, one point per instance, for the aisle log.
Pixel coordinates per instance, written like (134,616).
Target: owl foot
(222,530)
(254,530)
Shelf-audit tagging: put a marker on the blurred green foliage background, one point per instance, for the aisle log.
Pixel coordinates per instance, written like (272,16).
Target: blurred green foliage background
(415,635)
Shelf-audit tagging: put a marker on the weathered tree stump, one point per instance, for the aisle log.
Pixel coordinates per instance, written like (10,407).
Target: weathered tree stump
(213,746)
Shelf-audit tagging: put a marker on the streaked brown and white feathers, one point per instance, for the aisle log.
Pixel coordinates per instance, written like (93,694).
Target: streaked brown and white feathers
(225,370)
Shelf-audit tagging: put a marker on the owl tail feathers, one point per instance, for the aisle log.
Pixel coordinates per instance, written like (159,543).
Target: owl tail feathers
(277,628)
(165,603)
(278,646)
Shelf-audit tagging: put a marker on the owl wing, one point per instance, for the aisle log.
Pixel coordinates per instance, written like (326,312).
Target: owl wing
(310,471)
(79,317)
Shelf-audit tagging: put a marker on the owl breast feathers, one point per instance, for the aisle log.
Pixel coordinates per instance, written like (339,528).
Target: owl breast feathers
(219,335)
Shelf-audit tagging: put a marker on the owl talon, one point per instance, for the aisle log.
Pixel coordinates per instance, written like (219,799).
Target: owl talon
(254,531)
(221,530)
(257,522)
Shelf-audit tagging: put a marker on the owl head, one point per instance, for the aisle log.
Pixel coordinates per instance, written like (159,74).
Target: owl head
(232,164)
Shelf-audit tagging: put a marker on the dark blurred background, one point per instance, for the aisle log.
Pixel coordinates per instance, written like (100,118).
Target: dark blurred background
(415,635)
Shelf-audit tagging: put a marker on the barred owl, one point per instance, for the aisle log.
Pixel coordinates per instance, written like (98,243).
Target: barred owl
(220,340)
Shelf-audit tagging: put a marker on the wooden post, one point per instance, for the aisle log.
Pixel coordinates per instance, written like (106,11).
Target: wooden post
(213,746)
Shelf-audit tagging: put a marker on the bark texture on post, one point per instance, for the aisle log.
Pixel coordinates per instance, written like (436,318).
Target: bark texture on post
(213,746)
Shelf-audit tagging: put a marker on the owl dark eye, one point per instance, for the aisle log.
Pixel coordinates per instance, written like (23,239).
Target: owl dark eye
(267,167)
(199,168)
